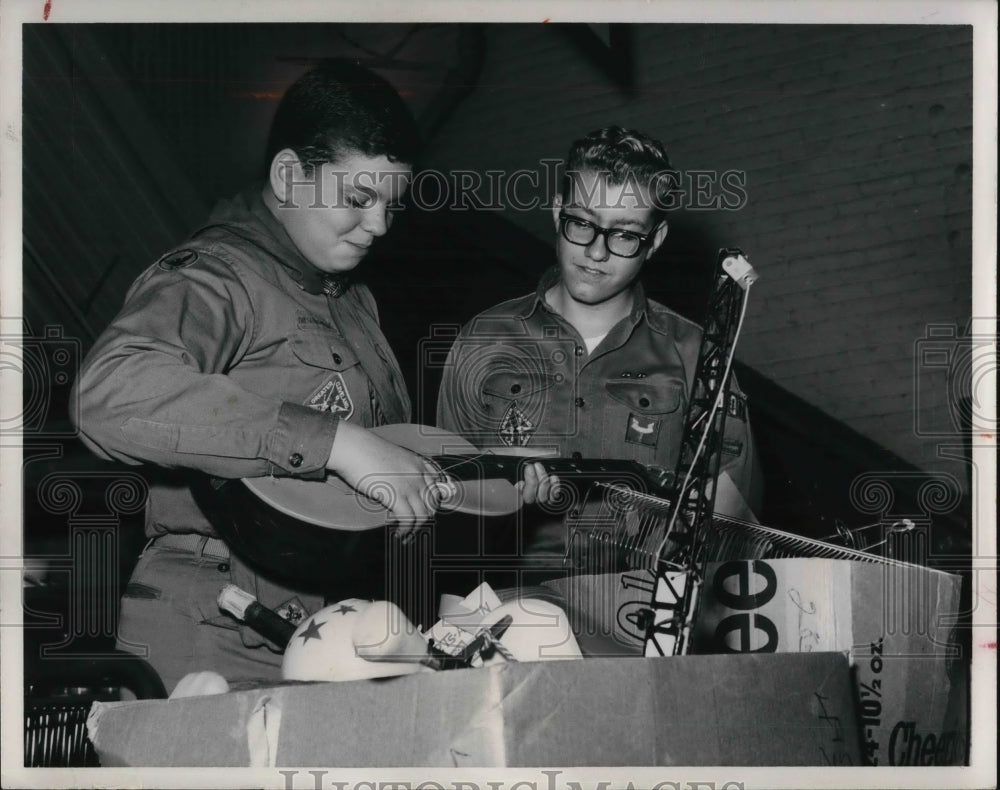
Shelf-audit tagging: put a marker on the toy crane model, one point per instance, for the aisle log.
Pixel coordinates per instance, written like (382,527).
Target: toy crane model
(680,555)
(669,527)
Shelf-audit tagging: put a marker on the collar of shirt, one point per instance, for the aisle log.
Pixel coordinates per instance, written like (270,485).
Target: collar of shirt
(551,277)
(247,216)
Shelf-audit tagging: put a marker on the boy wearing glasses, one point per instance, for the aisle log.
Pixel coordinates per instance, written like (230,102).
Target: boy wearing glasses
(587,366)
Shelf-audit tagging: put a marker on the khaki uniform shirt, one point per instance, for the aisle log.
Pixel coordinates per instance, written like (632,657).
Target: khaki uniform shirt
(520,375)
(228,359)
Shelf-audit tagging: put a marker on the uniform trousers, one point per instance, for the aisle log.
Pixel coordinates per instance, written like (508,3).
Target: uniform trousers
(170,616)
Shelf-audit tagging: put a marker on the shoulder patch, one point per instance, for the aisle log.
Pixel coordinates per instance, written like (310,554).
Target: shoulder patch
(177,260)
(736,406)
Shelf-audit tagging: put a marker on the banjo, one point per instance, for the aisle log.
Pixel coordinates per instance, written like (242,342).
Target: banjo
(325,535)
(334,536)
(477,482)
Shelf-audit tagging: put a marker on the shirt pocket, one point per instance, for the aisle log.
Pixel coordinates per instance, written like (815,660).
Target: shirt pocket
(643,418)
(512,385)
(329,377)
(322,351)
(654,395)
(515,404)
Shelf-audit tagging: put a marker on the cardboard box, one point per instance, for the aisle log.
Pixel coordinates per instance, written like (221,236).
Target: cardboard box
(688,710)
(896,622)
(606,610)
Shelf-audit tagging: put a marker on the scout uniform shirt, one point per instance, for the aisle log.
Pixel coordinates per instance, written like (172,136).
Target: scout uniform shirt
(520,375)
(229,359)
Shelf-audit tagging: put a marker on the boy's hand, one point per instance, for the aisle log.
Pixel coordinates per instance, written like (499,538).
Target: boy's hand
(407,484)
(538,485)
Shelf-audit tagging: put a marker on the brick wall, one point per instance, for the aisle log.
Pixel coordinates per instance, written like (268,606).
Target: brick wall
(856,144)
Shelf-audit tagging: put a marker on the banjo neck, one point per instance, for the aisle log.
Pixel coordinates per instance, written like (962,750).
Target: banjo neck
(486,466)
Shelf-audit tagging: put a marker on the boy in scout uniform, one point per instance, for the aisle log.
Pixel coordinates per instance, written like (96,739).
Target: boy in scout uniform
(249,351)
(587,365)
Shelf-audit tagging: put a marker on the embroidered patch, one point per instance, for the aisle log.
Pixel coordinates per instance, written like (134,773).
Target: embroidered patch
(642,430)
(333,397)
(515,428)
(306,321)
(732,446)
(736,406)
(177,260)
(292,610)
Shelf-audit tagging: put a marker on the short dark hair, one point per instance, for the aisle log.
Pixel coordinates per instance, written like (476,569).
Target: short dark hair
(338,108)
(619,155)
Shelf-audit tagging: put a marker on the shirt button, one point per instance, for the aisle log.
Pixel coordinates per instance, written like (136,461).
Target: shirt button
(577,455)
(336,359)
(223,567)
(295,460)
(644,402)
(579,402)
(515,388)
(579,351)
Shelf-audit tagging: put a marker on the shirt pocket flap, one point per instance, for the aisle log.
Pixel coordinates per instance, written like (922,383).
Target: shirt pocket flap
(649,396)
(511,385)
(321,353)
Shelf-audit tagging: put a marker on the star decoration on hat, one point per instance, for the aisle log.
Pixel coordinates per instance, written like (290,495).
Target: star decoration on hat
(345,608)
(312,631)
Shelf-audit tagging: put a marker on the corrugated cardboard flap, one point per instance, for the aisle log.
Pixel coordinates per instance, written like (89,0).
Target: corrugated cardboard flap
(688,710)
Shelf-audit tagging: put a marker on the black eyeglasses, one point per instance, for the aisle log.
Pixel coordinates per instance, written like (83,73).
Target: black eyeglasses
(623,243)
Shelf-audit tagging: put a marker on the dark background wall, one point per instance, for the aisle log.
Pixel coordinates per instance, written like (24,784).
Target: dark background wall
(855,143)
(856,149)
